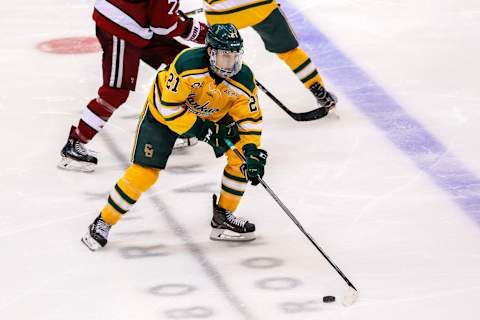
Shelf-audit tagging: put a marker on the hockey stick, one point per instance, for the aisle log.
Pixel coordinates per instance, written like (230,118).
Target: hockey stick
(298,116)
(352,294)
(191,13)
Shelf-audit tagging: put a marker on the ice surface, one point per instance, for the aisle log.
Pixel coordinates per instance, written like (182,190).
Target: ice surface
(409,243)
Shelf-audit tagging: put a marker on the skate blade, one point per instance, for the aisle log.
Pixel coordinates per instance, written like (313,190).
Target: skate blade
(228,235)
(332,114)
(91,243)
(74,165)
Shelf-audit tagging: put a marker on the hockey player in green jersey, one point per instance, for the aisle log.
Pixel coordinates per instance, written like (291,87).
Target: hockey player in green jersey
(208,93)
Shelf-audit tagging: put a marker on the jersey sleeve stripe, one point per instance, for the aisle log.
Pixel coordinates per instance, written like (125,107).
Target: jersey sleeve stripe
(248,126)
(173,117)
(250,133)
(169,111)
(164,31)
(119,17)
(170,104)
(156,94)
(250,120)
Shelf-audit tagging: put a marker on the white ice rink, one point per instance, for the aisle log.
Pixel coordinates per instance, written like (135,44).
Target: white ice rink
(391,190)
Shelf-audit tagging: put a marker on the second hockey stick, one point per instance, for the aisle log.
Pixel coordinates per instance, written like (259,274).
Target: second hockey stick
(298,116)
(352,294)
(193,12)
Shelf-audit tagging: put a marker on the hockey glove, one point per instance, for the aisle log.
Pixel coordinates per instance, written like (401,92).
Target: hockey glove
(195,30)
(215,134)
(254,166)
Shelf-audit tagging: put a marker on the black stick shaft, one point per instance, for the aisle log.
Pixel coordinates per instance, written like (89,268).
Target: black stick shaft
(292,217)
(271,96)
(298,116)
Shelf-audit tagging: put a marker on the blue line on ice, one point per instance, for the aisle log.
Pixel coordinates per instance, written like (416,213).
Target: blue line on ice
(428,153)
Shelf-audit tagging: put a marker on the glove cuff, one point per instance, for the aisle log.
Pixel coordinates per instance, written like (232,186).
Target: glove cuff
(195,29)
(248,147)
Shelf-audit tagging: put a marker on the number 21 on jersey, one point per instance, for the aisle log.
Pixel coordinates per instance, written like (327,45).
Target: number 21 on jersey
(172,82)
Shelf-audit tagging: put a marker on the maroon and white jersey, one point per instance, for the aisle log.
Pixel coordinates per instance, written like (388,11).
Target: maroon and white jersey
(137,20)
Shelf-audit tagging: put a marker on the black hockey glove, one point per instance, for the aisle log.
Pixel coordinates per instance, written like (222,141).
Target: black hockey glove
(254,166)
(215,134)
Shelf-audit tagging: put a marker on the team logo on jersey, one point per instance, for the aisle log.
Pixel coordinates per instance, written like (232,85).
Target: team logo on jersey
(213,90)
(148,150)
(231,93)
(200,109)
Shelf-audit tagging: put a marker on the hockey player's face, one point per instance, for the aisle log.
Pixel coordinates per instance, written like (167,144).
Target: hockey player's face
(227,60)
(226,63)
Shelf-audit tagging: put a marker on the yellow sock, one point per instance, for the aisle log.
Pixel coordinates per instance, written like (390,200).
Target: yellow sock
(234,185)
(135,181)
(228,201)
(302,66)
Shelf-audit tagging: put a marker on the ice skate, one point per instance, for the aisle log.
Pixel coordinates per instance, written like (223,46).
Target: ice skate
(228,227)
(76,157)
(97,234)
(324,98)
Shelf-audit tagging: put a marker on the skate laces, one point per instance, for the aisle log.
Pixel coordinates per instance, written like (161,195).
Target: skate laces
(324,98)
(238,221)
(102,228)
(80,148)
(319,91)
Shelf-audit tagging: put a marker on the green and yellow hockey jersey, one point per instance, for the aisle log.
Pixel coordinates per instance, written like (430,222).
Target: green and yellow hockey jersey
(241,13)
(187,90)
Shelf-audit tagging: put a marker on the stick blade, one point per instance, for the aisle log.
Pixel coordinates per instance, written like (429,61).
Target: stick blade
(309,115)
(350,297)
(313,114)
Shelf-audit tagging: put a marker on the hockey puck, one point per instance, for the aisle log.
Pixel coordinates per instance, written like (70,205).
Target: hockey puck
(328,299)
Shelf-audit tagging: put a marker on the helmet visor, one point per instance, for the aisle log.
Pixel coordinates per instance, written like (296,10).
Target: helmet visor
(228,62)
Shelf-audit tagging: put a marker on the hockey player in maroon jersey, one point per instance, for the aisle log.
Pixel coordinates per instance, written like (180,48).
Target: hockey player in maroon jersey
(128,31)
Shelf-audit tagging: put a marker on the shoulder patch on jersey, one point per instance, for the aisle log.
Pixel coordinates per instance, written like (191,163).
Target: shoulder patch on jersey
(191,59)
(245,77)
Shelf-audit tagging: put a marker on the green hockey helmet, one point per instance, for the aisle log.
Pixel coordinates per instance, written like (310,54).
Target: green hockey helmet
(224,37)
(225,49)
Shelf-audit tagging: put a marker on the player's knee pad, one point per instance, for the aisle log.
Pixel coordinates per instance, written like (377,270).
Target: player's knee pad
(139,179)
(112,97)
